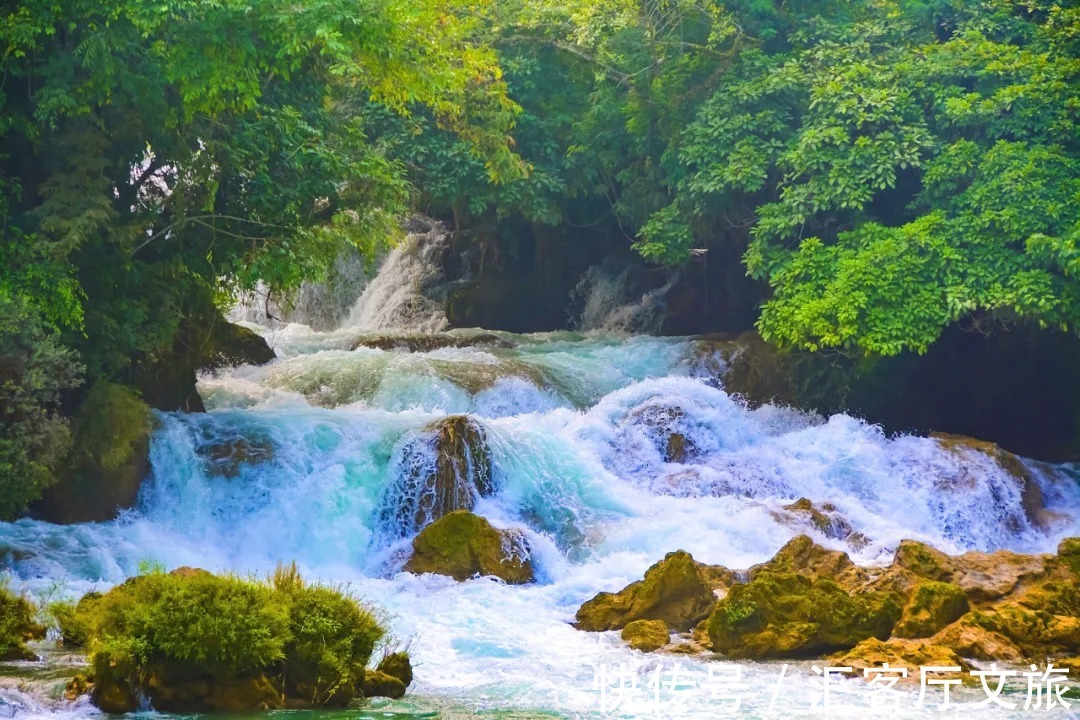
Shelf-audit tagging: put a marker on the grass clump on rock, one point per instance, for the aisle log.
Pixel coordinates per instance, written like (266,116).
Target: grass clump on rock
(190,641)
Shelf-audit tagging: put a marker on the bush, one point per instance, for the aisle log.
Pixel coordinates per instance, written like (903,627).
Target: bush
(191,641)
(17,625)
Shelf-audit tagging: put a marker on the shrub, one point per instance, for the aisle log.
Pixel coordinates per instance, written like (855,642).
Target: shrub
(17,624)
(193,641)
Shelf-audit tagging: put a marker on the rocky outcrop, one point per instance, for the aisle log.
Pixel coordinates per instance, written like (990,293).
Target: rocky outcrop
(447,467)
(779,615)
(463,545)
(207,343)
(927,607)
(646,635)
(666,424)
(826,519)
(110,458)
(675,590)
(398,665)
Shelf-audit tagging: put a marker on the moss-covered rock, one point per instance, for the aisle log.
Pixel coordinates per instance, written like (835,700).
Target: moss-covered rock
(399,665)
(674,590)
(802,556)
(462,545)
(930,608)
(646,635)
(110,458)
(779,615)
(971,640)
(984,577)
(17,625)
(195,642)
(380,684)
(874,653)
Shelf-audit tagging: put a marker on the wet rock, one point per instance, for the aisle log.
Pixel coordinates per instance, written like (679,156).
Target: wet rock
(225,458)
(230,345)
(931,607)
(1017,469)
(826,519)
(171,691)
(460,474)
(397,665)
(426,342)
(381,684)
(463,545)
(667,426)
(674,590)
(77,687)
(783,615)
(910,654)
(110,458)
(646,635)
(114,695)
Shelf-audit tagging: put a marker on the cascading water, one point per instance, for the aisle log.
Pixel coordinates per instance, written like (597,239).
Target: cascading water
(611,303)
(300,459)
(409,290)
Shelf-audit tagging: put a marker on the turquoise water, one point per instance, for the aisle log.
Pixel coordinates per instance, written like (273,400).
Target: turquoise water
(579,467)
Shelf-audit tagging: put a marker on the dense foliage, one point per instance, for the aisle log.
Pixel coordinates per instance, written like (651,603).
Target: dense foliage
(888,170)
(158,156)
(18,624)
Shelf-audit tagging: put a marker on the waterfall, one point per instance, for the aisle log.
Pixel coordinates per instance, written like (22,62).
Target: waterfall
(611,302)
(409,291)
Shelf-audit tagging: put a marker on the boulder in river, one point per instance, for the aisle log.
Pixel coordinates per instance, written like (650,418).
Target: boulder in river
(446,468)
(874,653)
(463,545)
(675,590)
(380,684)
(931,607)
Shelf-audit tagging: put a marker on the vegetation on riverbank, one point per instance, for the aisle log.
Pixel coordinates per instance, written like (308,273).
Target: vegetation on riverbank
(190,641)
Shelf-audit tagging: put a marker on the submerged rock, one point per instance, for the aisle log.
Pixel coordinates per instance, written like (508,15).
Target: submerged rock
(646,635)
(463,545)
(447,468)
(674,590)
(779,615)
(227,457)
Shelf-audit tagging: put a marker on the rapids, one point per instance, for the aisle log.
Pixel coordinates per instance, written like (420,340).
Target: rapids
(578,463)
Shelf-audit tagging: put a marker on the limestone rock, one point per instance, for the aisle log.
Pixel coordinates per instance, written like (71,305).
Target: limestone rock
(801,555)
(910,654)
(461,545)
(826,519)
(646,635)
(780,615)
(971,640)
(932,606)
(674,590)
